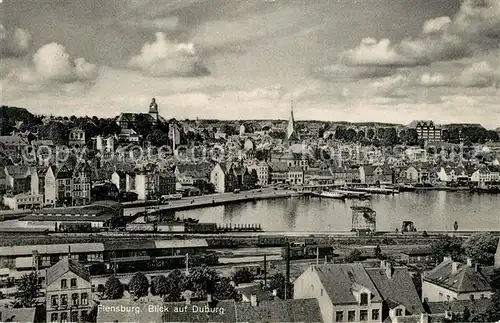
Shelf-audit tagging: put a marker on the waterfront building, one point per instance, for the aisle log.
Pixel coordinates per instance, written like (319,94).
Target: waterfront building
(145,185)
(375,175)
(295,176)
(38,180)
(77,137)
(193,174)
(419,174)
(344,292)
(218,177)
(262,169)
(68,292)
(346,175)
(453,174)
(316,176)
(452,280)
(485,174)
(23,201)
(166,183)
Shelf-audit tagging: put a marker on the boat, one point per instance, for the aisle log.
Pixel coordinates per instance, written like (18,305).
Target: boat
(332,195)
(407,188)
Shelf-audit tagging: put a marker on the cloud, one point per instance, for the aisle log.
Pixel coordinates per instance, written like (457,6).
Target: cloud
(343,73)
(168,23)
(165,58)
(436,79)
(14,42)
(475,29)
(478,75)
(52,69)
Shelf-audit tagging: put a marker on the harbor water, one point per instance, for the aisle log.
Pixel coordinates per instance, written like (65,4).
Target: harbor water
(429,210)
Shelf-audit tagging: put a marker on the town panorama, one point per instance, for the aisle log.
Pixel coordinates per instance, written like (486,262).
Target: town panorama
(250,161)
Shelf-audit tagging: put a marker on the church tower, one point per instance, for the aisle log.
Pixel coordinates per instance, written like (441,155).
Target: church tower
(291,134)
(153,109)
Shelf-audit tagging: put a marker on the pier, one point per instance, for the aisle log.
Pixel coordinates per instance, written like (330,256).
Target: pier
(230,227)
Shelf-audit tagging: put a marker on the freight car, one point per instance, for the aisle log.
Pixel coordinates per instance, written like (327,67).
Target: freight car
(298,251)
(201,227)
(271,241)
(141,227)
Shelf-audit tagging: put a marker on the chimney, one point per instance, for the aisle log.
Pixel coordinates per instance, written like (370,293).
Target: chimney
(424,318)
(469,262)
(275,292)
(454,267)
(388,270)
(476,267)
(209,298)
(447,258)
(253,300)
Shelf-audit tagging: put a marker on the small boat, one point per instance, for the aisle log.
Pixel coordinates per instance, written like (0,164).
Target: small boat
(332,195)
(407,188)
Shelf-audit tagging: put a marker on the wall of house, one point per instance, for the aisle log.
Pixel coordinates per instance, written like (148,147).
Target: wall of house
(54,289)
(308,285)
(435,293)
(217,177)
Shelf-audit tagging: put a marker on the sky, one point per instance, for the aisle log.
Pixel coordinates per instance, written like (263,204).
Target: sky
(354,60)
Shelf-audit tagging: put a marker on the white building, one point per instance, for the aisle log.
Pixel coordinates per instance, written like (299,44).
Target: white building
(23,201)
(262,169)
(218,178)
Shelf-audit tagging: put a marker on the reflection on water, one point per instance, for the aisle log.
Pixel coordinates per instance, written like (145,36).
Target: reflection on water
(429,210)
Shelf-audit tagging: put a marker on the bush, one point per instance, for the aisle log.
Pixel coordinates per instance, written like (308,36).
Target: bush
(139,285)
(113,288)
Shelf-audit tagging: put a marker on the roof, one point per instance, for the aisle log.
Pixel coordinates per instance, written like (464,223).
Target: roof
(278,166)
(63,266)
(218,311)
(141,315)
(399,287)
(130,245)
(51,249)
(17,171)
(17,314)
(456,306)
(254,289)
(292,310)
(65,211)
(75,218)
(191,243)
(318,172)
(339,280)
(465,280)
(195,170)
(423,251)
(12,140)
(132,117)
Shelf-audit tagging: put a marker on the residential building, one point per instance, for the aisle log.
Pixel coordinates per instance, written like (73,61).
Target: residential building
(38,180)
(191,174)
(295,176)
(166,183)
(77,137)
(485,175)
(292,159)
(145,185)
(81,184)
(218,177)
(345,175)
(419,174)
(452,280)
(105,144)
(427,130)
(276,310)
(129,136)
(58,186)
(453,174)
(119,178)
(344,292)
(68,292)
(262,169)
(416,256)
(375,175)
(17,179)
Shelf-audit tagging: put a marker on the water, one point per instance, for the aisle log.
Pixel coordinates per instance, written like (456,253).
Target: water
(429,210)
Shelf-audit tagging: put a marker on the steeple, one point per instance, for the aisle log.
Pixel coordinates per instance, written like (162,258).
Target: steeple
(153,109)
(291,133)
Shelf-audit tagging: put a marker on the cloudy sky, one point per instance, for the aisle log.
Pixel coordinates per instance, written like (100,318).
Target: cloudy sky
(356,60)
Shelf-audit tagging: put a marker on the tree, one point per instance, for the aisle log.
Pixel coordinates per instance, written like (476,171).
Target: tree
(29,289)
(493,311)
(160,286)
(139,285)
(354,256)
(277,282)
(446,245)
(481,248)
(410,137)
(243,275)
(350,135)
(389,137)
(177,283)
(113,288)
(360,136)
(370,133)
(202,281)
(225,290)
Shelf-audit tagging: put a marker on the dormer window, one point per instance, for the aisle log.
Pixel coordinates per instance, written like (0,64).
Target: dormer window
(363,299)
(399,312)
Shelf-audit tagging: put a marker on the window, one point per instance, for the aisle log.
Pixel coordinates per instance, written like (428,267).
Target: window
(363,315)
(84,299)
(73,282)
(74,299)
(471,297)
(399,312)
(375,315)
(53,317)
(364,299)
(54,301)
(64,317)
(64,284)
(64,300)
(74,316)
(84,316)
(440,296)
(482,296)
(351,316)
(321,291)
(339,316)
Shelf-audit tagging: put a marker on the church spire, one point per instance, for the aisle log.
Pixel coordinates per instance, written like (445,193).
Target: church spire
(291,133)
